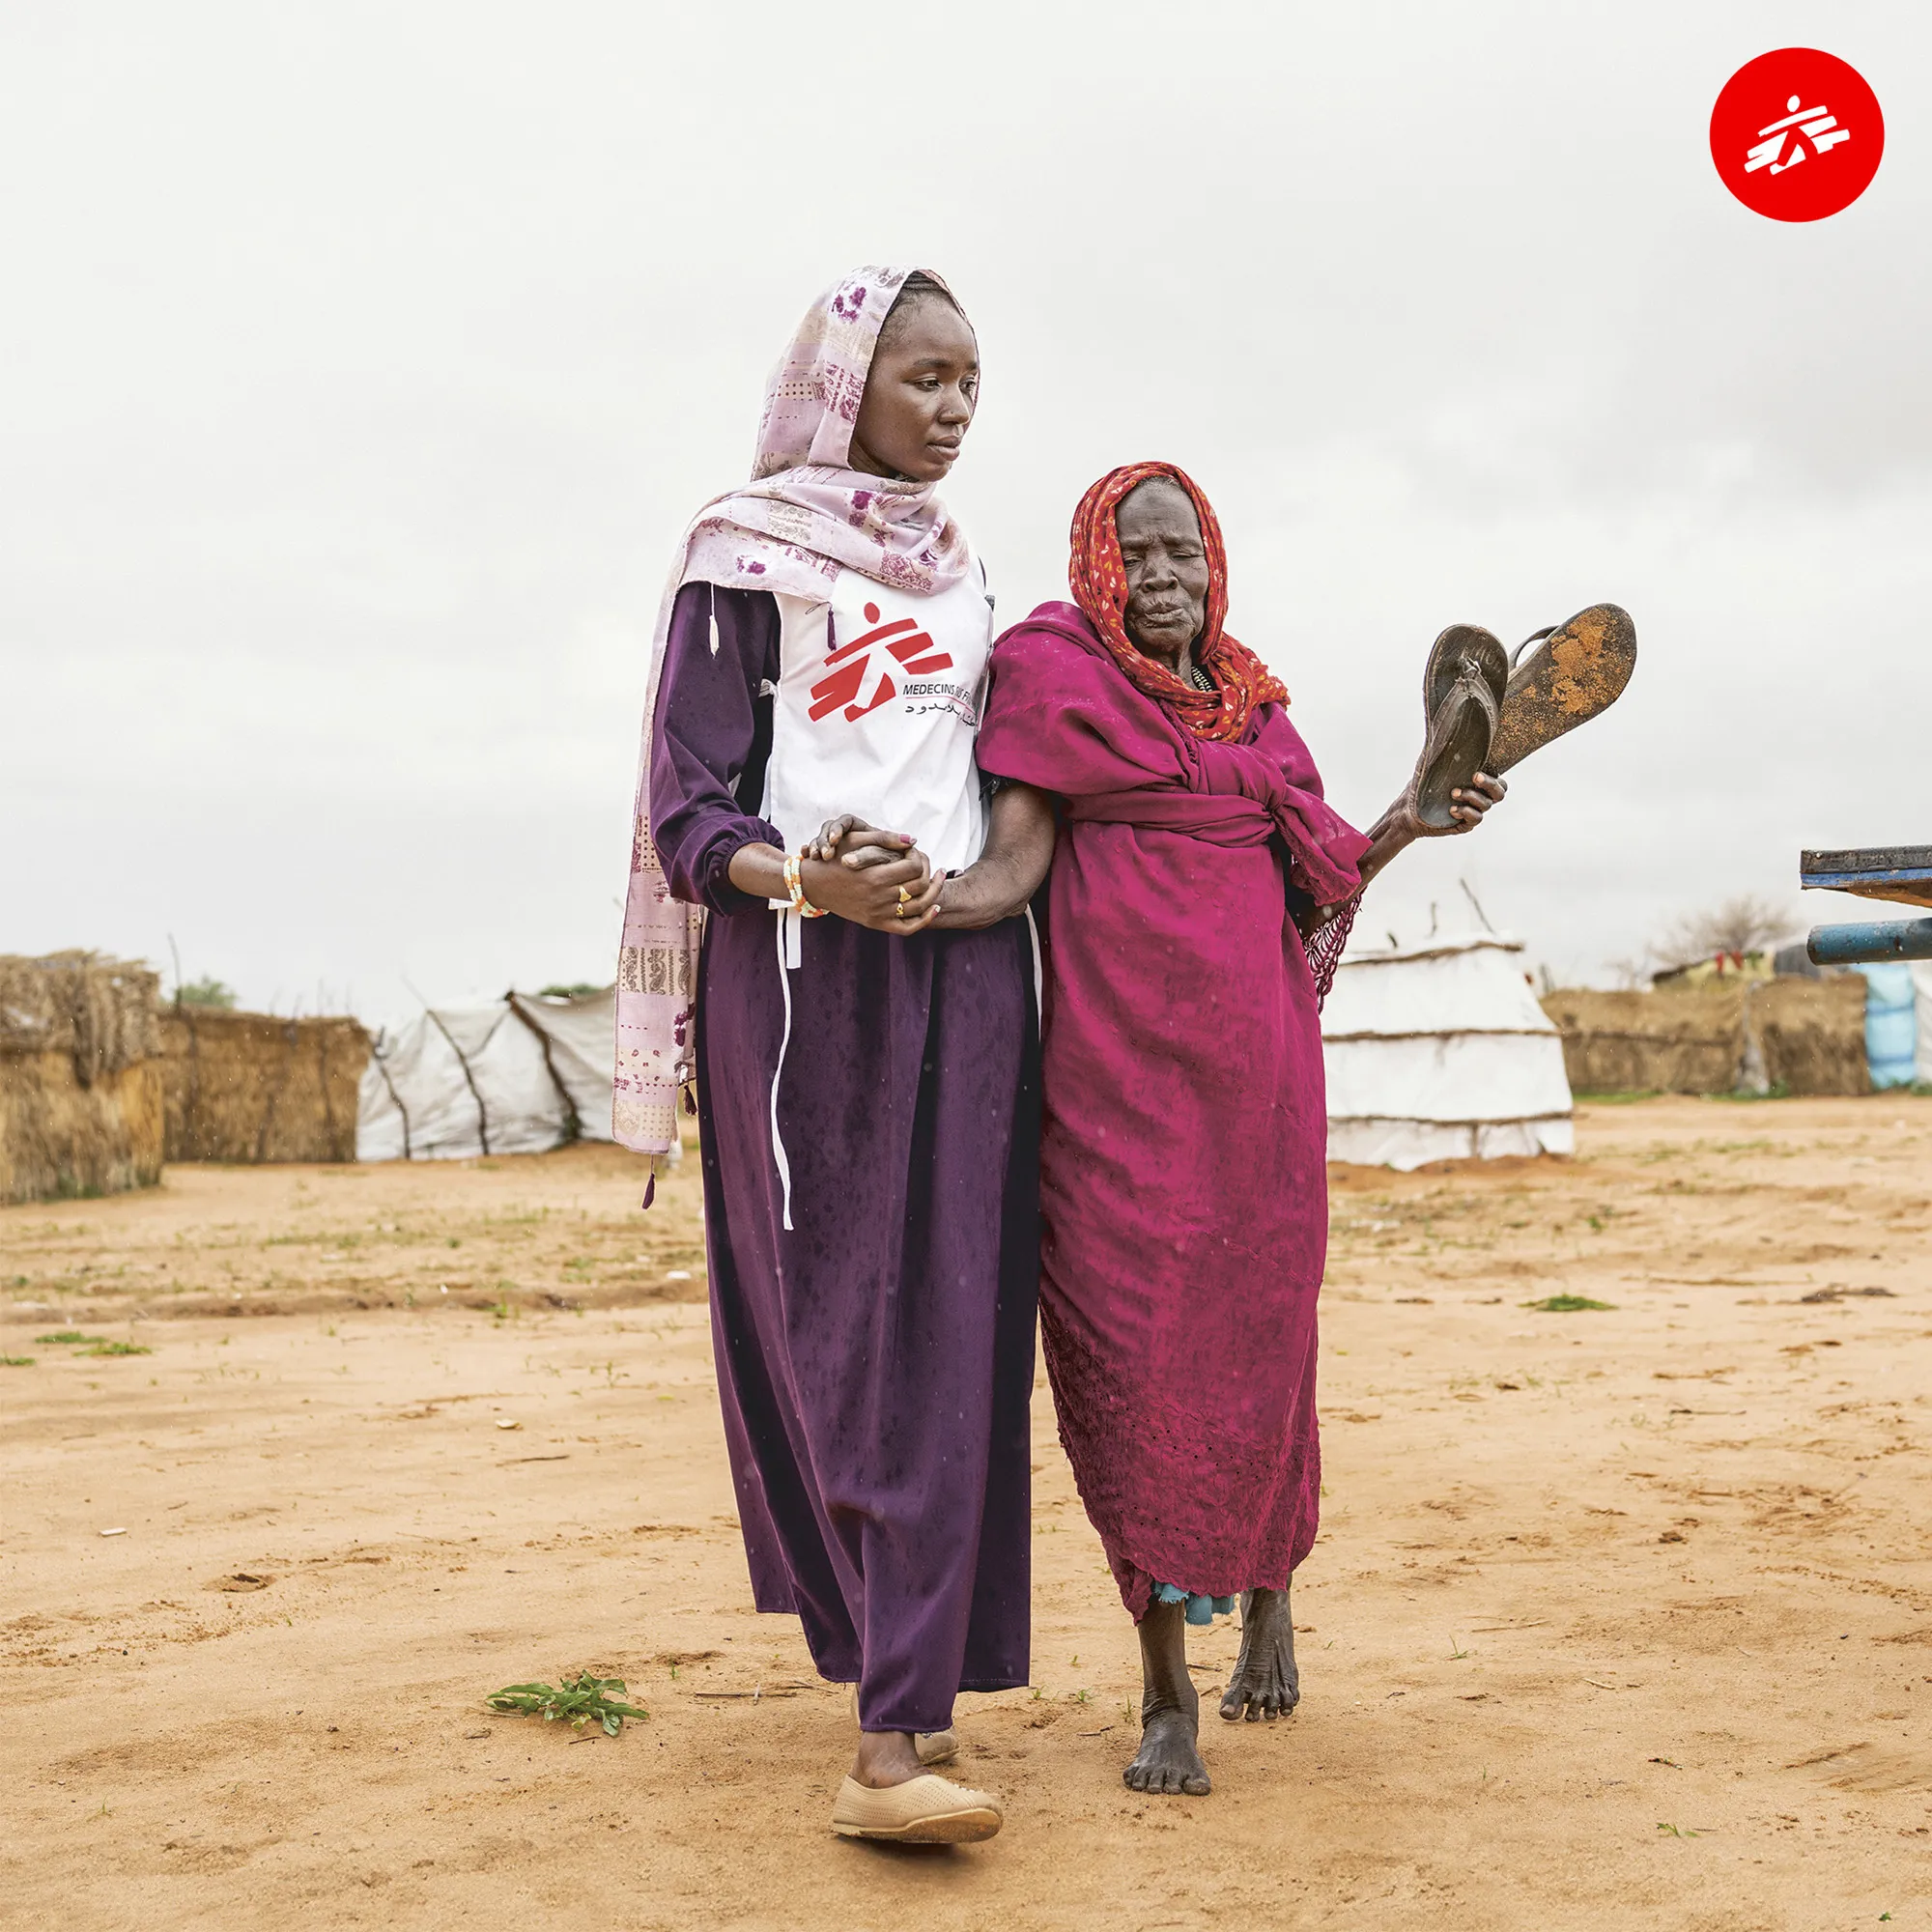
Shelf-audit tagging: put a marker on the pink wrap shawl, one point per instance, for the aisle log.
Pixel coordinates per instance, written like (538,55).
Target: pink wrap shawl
(804,516)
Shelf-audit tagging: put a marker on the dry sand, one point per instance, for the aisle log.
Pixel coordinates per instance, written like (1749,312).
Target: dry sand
(1618,1619)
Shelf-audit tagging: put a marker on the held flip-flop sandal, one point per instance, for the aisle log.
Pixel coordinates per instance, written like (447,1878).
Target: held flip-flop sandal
(924,1811)
(1462,688)
(1576,670)
(932,1746)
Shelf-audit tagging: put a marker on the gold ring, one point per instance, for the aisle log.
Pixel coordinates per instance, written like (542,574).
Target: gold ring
(905,897)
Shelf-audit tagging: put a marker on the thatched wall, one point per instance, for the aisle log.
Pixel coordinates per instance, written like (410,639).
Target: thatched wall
(249,1087)
(80,1089)
(1812,1033)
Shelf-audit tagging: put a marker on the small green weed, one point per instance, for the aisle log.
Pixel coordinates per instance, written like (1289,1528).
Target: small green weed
(117,1348)
(66,1335)
(1566,1304)
(16,1361)
(583,1699)
(1679,1831)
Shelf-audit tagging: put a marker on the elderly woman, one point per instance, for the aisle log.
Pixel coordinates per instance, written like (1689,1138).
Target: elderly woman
(1196,873)
(865,1086)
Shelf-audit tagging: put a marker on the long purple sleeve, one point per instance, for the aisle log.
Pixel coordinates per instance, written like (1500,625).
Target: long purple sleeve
(712,742)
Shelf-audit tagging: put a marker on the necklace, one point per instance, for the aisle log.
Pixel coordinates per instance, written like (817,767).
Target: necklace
(1198,678)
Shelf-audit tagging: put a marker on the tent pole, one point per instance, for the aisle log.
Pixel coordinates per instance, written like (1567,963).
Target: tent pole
(376,1054)
(573,1121)
(476,1092)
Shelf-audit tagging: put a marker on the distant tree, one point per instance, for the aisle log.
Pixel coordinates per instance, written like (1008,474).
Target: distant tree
(582,990)
(1745,924)
(206,993)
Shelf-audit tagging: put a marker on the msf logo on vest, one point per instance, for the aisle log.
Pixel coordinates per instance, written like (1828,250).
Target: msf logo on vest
(850,664)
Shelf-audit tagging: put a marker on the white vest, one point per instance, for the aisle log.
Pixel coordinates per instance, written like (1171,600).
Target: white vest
(876,710)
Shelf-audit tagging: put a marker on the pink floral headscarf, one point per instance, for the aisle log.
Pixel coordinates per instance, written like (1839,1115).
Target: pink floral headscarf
(804,516)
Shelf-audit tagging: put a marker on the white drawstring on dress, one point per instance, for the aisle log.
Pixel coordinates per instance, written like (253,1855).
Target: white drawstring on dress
(790,931)
(1039,979)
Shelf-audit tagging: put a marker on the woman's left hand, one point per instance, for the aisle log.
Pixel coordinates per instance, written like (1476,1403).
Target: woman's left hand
(1467,807)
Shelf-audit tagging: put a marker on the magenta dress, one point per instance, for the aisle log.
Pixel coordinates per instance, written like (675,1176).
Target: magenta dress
(1183,1179)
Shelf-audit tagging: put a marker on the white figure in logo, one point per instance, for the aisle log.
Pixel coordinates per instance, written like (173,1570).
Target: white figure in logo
(1816,125)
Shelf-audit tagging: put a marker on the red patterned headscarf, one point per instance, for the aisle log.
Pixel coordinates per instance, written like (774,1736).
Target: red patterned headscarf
(1099,579)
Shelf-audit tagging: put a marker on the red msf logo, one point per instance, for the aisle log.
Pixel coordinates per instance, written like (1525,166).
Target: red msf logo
(905,642)
(1797,135)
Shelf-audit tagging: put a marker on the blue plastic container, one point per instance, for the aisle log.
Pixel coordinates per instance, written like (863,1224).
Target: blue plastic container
(1892,1024)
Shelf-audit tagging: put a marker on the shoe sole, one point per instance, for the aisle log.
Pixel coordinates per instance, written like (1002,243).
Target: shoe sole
(970,1827)
(1579,670)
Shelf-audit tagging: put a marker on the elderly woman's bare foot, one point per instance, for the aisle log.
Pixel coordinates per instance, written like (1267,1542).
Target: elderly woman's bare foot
(1265,1683)
(1168,1762)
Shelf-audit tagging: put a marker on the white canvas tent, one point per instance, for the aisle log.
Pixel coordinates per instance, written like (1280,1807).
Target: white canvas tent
(518,1075)
(1440,1052)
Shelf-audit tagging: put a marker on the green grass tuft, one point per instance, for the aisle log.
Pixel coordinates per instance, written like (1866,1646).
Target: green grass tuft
(66,1335)
(1566,1304)
(16,1361)
(117,1348)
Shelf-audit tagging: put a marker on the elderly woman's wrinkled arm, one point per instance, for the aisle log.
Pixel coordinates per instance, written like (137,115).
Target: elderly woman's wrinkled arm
(1020,834)
(1400,827)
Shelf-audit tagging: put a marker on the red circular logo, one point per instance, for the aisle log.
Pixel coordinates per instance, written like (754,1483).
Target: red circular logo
(1797,135)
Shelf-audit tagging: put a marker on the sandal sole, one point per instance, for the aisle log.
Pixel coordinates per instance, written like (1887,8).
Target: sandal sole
(1579,670)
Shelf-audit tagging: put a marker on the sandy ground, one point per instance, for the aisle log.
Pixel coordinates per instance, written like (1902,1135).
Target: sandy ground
(1618,1618)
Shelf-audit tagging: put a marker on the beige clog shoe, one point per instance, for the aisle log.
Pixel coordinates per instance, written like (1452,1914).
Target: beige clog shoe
(924,1811)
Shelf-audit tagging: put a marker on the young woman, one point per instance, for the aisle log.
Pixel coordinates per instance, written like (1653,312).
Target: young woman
(865,1086)
(1183,1188)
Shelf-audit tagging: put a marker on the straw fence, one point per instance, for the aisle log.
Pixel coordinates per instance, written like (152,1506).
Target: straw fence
(1790,1034)
(80,1084)
(249,1086)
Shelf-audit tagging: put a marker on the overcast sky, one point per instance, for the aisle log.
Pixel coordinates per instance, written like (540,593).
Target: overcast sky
(361,363)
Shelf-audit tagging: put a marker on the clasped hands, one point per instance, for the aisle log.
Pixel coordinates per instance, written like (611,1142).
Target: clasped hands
(874,878)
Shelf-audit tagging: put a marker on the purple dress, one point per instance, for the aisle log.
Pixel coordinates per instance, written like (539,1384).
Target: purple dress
(874,1361)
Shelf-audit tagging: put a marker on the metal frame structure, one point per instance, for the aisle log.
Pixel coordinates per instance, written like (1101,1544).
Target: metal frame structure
(1898,873)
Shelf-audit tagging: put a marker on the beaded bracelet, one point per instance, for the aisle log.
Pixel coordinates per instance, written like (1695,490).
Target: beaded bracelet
(800,904)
